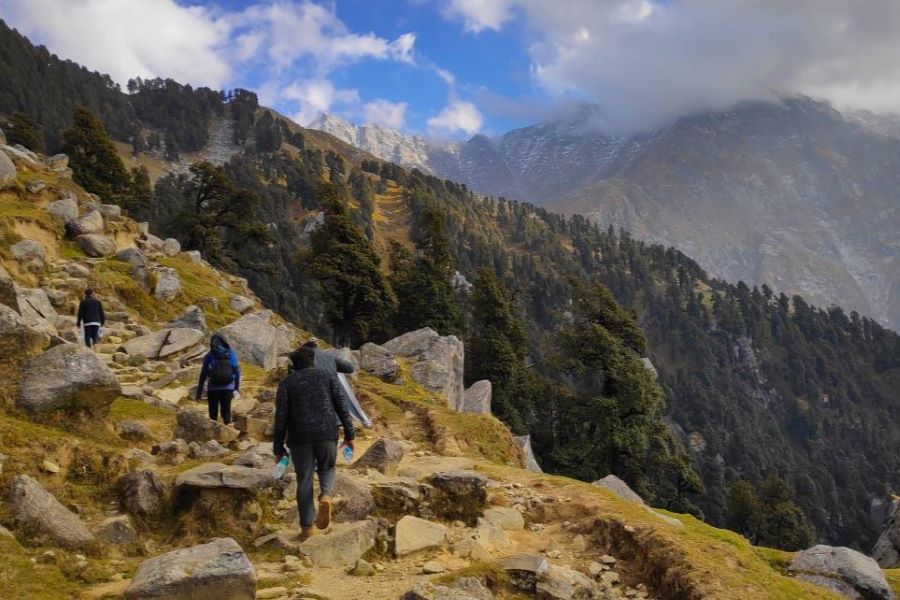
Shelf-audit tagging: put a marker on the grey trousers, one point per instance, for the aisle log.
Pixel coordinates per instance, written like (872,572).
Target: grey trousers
(319,457)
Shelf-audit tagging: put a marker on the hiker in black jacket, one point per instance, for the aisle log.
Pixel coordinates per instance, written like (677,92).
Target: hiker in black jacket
(305,407)
(90,314)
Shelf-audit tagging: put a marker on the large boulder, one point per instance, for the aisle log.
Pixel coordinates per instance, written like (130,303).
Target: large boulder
(36,309)
(97,245)
(619,488)
(413,534)
(477,399)
(68,377)
(194,426)
(66,209)
(531,463)
(843,570)
(18,340)
(7,170)
(90,223)
(507,519)
(461,495)
(133,257)
(383,456)
(437,361)
(562,583)
(163,343)
(379,362)
(168,284)
(342,545)
(117,530)
(37,512)
(255,339)
(143,493)
(29,251)
(525,570)
(354,500)
(171,247)
(887,549)
(191,318)
(217,570)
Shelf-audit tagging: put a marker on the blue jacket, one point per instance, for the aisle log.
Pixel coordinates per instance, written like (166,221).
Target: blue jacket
(208,360)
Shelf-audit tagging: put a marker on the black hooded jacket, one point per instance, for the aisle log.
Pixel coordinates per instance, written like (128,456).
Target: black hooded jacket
(305,407)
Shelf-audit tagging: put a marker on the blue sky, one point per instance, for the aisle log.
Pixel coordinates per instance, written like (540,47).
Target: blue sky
(453,68)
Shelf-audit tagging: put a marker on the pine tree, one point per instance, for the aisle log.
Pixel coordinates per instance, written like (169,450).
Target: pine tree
(768,515)
(140,192)
(357,296)
(93,158)
(20,129)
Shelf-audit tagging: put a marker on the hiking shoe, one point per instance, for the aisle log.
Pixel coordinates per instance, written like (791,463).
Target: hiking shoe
(323,517)
(306,533)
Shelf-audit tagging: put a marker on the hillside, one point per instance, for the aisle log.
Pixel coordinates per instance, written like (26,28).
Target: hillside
(756,383)
(98,494)
(792,195)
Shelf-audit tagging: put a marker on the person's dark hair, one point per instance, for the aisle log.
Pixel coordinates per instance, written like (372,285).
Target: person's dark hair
(89,292)
(303,357)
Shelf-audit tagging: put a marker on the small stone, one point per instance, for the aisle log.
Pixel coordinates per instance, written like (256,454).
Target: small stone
(432,567)
(362,568)
(36,186)
(606,559)
(579,544)
(610,578)
(273,592)
(629,529)
(49,467)
(595,569)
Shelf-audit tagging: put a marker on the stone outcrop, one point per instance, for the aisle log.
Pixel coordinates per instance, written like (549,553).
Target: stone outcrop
(163,343)
(68,377)
(843,570)
(143,493)
(256,340)
(37,512)
(35,308)
(619,488)
(437,362)
(887,549)
(7,170)
(218,570)
(531,463)
(477,399)
(414,534)
(97,245)
(19,341)
(194,426)
(383,456)
(378,361)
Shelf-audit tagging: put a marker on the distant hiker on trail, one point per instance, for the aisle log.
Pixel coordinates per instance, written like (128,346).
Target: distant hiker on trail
(340,367)
(90,314)
(220,366)
(307,402)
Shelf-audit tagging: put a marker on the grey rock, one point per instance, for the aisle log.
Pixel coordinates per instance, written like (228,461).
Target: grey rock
(66,210)
(414,534)
(383,456)
(172,452)
(35,510)
(68,377)
(194,256)
(240,303)
(477,399)
(133,430)
(168,284)
(57,163)
(464,588)
(362,568)
(193,426)
(29,250)
(843,564)
(887,549)
(2,138)
(217,570)
(111,211)
(78,271)
(379,362)
(255,340)
(191,318)
(531,463)
(143,493)
(562,583)
(58,299)
(619,488)
(437,362)
(7,170)
(97,245)
(117,530)
(354,500)
(36,186)
(220,476)
(648,364)
(143,228)
(132,256)
(525,570)
(19,340)
(35,308)
(20,153)
(207,450)
(343,545)
(163,343)
(259,456)
(91,222)
(171,247)
(508,519)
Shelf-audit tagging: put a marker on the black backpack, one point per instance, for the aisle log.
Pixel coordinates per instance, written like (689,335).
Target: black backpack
(222,372)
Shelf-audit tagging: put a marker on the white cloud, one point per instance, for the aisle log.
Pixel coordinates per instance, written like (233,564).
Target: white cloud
(129,38)
(457,117)
(650,61)
(387,113)
(478,15)
(316,96)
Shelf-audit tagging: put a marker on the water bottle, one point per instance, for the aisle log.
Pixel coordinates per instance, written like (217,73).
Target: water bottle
(280,468)
(348,453)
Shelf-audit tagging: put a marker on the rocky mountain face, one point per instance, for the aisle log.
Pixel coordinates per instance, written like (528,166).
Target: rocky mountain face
(793,195)
(114,483)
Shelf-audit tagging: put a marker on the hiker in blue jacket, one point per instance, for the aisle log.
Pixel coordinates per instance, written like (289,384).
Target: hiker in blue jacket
(220,366)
